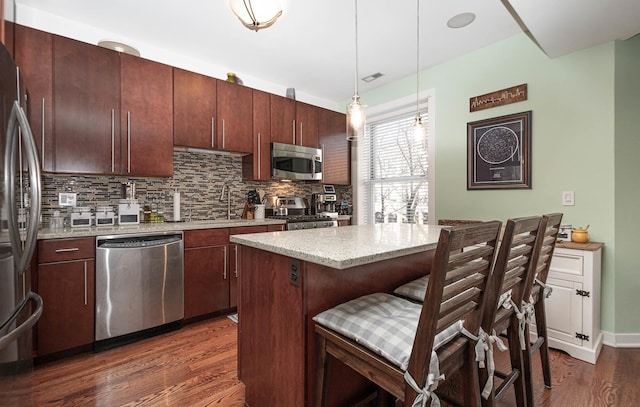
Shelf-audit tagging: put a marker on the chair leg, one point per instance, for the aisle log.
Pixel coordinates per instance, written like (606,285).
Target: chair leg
(322,368)
(515,354)
(471,379)
(527,369)
(541,327)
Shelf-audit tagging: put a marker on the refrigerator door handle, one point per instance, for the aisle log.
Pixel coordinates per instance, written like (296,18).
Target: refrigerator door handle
(19,127)
(26,325)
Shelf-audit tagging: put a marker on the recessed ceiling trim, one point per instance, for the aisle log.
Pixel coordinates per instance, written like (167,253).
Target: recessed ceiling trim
(461,20)
(372,77)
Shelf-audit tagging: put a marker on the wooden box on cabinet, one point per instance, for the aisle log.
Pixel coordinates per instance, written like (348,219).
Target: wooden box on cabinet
(66,275)
(573,309)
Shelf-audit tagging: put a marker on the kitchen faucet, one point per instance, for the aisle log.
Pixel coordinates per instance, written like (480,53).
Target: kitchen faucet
(226,187)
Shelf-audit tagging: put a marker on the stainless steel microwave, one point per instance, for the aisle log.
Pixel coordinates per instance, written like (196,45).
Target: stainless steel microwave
(293,162)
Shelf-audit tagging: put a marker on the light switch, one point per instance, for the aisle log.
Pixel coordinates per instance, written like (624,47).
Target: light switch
(67,199)
(568,198)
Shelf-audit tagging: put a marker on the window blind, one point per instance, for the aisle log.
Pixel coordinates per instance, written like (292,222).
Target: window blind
(395,166)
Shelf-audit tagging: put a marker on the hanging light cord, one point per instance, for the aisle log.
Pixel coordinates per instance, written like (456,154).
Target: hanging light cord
(417,58)
(356,71)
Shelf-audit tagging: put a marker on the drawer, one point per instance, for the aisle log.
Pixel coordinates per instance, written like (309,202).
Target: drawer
(206,237)
(567,264)
(54,250)
(247,229)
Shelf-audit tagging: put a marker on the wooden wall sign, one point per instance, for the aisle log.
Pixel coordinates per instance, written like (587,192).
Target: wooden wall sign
(498,98)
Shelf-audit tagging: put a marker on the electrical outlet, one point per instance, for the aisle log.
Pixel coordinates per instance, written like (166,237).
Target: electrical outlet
(67,199)
(568,198)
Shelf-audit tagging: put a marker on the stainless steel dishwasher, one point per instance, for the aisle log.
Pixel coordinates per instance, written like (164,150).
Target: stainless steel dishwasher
(139,285)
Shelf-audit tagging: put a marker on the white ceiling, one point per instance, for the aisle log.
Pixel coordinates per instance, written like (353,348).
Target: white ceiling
(311,47)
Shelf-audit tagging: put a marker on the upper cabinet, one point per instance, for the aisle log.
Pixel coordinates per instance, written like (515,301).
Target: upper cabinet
(306,125)
(33,54)
(336,151)
(257,167)
(293,122)
(146,123)
(194,109)
(283,120)
(86,91)
(235,118)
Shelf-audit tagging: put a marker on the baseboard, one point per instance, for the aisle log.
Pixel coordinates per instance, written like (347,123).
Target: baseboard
(621,340)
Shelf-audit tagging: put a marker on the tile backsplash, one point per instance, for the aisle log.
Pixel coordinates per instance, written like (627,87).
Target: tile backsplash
(198,177)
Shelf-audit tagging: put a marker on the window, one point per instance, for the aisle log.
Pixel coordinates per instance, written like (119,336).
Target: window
(395,179)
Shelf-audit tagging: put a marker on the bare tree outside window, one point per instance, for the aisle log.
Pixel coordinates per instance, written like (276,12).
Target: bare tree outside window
(396,184)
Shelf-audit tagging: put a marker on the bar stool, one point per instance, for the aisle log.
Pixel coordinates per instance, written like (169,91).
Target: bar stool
(405,347)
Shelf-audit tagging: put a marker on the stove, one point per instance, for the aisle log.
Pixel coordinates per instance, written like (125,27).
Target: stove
(297,222)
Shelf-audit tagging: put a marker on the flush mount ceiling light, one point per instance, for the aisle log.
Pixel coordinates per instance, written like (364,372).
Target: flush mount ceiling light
(461,20)
(119,46)
(356,115)
(258,14)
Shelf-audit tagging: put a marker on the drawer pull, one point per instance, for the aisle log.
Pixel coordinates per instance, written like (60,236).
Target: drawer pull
(583,293)
(71,249)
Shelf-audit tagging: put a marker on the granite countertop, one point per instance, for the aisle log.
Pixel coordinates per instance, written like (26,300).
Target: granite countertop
(346,246)
(70,232)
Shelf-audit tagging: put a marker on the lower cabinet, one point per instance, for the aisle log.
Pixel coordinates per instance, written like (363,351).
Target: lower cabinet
(206,272)
(573,309)
(233,260)
(65,278)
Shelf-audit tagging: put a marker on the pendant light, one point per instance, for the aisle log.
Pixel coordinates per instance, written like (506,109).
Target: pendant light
(419,131)
(356,116)
(262,14)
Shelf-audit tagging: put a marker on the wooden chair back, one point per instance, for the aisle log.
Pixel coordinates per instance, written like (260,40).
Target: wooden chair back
(548,244)
(459,276)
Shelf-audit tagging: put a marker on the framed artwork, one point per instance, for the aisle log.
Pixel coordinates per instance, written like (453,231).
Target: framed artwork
(499,152)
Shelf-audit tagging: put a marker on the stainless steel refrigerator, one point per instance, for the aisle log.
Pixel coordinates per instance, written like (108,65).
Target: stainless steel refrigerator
(20,204)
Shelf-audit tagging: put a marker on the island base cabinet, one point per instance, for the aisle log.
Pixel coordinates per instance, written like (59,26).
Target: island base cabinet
(277,300)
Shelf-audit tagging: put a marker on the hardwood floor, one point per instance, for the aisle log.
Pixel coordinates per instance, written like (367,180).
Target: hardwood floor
(196,366)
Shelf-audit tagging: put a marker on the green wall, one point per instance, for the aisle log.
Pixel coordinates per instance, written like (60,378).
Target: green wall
(627,184)
(572,99)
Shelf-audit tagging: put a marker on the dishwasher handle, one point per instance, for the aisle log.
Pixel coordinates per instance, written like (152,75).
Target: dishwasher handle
(137,242)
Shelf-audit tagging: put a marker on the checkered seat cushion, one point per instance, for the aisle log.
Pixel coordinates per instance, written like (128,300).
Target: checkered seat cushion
(383,323)
(414,290)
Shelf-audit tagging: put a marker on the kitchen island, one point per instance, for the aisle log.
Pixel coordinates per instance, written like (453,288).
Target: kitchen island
(288,277)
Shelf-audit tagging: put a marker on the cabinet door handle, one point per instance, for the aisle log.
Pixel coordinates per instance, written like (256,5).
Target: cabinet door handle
(235,247)
(224,272)
(259,158)
(301,133)
(213,132)
(85,283)
(113,140)
(42,147)
(293,131)
(69,249)
(128,142)
(223,134)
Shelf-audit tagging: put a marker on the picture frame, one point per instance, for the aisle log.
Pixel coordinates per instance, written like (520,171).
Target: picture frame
(499,152)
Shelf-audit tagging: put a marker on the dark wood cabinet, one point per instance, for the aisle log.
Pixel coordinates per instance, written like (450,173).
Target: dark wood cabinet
(86,91)
(206,272)
(283,116)
(257,167)
(146,118)
(234,127)
(66,278)
(194,109)
(233,261)
(336,150)
(34,56)
(306,125)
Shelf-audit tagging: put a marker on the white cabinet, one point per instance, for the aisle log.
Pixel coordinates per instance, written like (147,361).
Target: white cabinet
(573,309)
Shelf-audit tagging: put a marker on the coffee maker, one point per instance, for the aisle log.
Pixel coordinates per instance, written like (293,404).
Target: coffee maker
(325,203)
